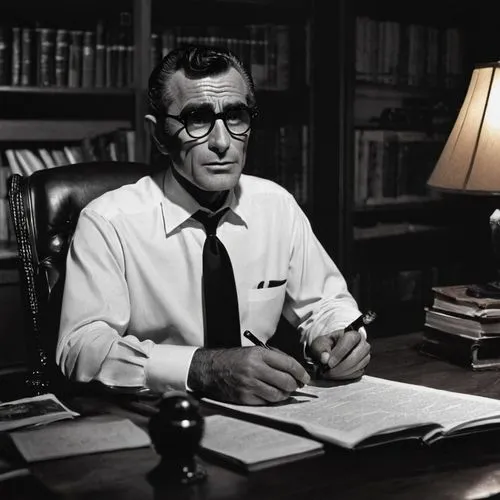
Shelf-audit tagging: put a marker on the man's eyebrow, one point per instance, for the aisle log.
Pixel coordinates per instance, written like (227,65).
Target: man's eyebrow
(196,106)
(208,106)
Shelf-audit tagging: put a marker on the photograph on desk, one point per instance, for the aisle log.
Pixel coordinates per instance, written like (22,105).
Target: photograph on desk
(35,410)
(462,329)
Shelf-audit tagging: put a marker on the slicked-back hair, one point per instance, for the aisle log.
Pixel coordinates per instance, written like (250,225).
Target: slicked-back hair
(197,61)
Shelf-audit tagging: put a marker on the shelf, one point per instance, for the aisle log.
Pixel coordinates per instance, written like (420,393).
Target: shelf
(403,202)
(373,90)
(66,90)
(56,130)
(390,230)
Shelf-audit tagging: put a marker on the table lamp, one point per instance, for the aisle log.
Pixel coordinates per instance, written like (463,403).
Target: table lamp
(470,160)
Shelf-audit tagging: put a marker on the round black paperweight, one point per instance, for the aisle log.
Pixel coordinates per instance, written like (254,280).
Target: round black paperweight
(176,431)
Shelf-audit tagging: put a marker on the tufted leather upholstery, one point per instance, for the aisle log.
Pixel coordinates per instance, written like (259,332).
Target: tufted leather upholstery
(45,208)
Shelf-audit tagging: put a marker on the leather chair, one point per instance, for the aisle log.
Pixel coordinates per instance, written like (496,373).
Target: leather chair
(45,208)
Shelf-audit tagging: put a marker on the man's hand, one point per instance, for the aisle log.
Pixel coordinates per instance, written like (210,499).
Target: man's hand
(341,355)
(246,375)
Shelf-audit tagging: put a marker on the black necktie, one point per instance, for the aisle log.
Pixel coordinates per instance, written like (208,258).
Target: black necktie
(222,318)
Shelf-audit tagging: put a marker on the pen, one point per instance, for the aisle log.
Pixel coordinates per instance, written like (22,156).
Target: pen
(363,320)
(250,336)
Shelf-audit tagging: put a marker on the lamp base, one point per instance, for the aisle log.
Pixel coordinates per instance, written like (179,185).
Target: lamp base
(487,290)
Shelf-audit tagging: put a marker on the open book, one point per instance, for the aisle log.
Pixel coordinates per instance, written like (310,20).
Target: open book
(250,446)
(372,411)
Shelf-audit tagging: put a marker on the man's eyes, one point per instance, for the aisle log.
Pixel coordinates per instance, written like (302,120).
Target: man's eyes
(200,116)
(207,116)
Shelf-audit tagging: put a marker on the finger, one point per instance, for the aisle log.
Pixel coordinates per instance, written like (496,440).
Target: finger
(354,358)
(263,393)
(288,365)
(344,345)
(351,376)
(345,370)
(268,384)
(321,347)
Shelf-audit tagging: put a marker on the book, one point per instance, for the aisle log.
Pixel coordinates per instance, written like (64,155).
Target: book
(35,410)
(372,411)
(61,59)
(250,446)
(461,324)
(75,58)
(45,56)
(16,56)
(477,353)
(15,166)
(4,50)
(465,309)
(81,436)
(455,299)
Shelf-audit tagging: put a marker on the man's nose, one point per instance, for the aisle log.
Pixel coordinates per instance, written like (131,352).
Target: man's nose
(220,137)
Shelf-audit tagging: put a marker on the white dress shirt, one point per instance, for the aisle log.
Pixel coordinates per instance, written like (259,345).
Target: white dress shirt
(132,308)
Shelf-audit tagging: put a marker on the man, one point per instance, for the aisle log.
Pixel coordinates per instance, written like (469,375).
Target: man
(133,311)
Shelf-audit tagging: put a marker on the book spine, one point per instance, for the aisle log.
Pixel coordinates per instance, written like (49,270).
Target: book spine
(110,60)
(282,35)
(75,59)
(46,57)
(16,56)
(122,47)
(62,58)
(100,56)
(88,59)
(26,56)
(4,72)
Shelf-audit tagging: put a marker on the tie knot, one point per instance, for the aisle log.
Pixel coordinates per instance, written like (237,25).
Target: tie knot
(210,220)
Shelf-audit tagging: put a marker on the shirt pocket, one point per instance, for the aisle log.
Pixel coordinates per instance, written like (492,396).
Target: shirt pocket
(264,310)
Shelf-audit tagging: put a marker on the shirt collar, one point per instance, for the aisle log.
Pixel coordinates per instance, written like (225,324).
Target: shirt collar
(178,205)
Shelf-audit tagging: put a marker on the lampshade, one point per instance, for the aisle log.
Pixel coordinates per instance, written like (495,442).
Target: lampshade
(470,161)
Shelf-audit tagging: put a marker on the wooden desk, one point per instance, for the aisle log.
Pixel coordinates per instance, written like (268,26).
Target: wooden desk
(466,469)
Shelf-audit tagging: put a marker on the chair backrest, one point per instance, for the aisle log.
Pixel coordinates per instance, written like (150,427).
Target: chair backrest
(45,208)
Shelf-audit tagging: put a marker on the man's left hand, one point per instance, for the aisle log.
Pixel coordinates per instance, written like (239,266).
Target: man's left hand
(341,355)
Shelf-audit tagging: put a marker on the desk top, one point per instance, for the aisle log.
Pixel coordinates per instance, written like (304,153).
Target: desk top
(469,469)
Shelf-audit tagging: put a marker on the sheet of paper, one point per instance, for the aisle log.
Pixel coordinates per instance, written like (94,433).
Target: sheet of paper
(347,413)
(79,437)
(253,444)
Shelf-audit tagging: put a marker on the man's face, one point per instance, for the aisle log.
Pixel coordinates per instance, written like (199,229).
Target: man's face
(214,162)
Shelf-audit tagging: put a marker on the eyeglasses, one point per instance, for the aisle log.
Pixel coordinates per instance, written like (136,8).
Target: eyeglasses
(200,122)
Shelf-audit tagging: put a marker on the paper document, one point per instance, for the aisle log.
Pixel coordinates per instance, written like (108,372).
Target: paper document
(79,437)
(350,414)
(252,446)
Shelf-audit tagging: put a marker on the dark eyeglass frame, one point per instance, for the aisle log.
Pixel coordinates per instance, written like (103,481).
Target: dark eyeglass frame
(183,117)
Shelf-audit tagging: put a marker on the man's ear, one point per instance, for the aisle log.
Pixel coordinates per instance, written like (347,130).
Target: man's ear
(151,123)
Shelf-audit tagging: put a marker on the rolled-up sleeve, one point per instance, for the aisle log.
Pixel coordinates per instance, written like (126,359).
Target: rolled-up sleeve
(318,299)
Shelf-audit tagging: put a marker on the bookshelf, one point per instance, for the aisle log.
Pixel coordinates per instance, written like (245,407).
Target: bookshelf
(408,75)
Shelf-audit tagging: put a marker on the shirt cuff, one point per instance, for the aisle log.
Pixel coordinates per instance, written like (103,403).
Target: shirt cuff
(168,366)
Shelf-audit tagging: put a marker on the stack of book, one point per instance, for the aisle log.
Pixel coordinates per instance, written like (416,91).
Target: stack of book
(463,329)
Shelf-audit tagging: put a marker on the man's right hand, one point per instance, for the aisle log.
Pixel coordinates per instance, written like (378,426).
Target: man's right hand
(246,375)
